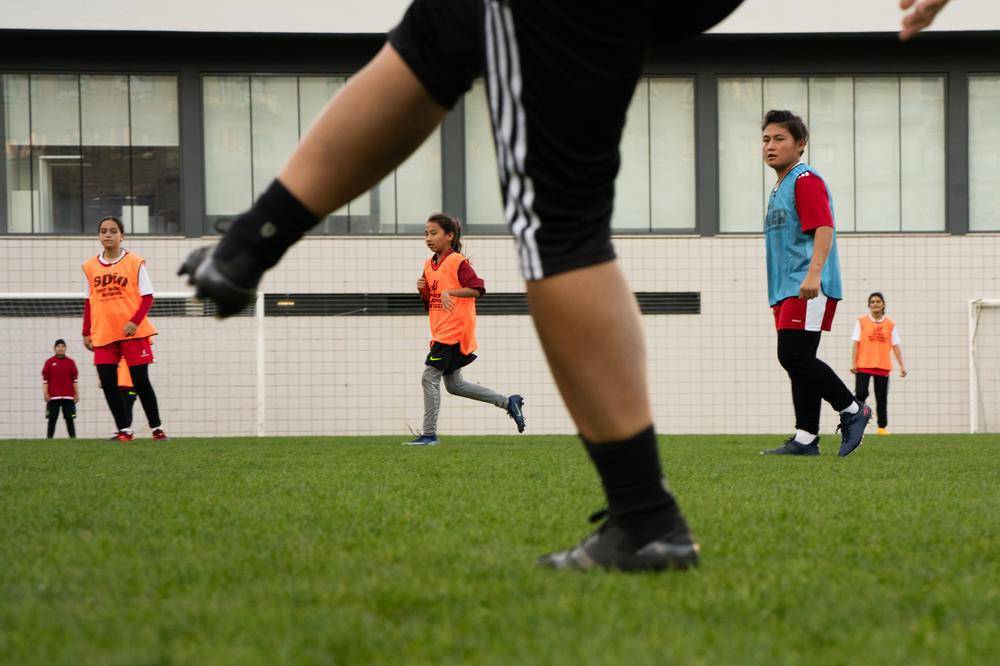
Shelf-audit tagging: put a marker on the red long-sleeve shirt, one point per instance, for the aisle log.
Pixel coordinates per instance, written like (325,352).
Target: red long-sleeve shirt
(60,374)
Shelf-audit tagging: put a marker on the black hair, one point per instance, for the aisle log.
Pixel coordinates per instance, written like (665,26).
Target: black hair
(450,225)
(121,227)
(789,121)
(879,294)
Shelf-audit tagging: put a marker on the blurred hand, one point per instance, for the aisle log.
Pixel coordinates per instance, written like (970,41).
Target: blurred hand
(922,15)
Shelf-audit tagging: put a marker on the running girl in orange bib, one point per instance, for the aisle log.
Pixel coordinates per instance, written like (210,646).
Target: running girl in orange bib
(450,288)
(115,326)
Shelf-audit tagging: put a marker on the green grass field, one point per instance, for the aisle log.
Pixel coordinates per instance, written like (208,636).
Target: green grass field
(360,551)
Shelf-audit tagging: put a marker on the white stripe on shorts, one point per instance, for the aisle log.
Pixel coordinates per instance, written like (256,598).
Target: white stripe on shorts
(815,311)
(504,84)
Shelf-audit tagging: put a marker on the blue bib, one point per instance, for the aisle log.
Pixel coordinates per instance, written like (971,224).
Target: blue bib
(789,250)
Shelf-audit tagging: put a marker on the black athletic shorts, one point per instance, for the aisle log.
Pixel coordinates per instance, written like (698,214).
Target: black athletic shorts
(448,358)
(560,76)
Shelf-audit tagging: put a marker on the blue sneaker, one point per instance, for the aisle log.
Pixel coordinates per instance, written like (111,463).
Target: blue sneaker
(852,429)
(423,440)
(793,448)
(515,410)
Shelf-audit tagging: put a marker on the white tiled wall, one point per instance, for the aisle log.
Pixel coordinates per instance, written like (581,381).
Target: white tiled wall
(710,373)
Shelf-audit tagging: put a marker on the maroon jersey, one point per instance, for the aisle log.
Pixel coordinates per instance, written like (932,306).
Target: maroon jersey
(59,374)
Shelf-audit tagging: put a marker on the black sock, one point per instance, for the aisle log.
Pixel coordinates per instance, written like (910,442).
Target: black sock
(633,481)
(261,235)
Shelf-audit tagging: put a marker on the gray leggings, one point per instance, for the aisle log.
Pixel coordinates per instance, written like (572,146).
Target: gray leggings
(456,385)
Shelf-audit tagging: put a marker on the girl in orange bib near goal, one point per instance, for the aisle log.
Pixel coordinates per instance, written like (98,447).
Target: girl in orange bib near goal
(449,288)
(115,326)
(874,337)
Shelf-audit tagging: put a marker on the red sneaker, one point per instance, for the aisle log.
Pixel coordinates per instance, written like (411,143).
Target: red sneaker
(121,436)
(161,436)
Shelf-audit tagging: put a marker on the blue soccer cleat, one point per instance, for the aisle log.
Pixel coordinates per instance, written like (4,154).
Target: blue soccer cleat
(852,429)
(423,440)
(515,410)
(793,448)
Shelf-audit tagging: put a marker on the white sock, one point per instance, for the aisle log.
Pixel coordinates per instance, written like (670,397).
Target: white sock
(853,409)
(803,437)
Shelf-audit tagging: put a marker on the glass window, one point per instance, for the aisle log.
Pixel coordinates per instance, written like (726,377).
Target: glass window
(80,147)
(921,154)
(104,102)
(56,161)
(21,196)
(741,175)
(483,206)
(252,125)
(655,187)
(878,142)
(984,153)
(671,154)
(228,171)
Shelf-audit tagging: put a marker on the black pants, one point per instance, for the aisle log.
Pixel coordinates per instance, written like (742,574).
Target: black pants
(812,380)
(108,373)
(68,408)
(881,394)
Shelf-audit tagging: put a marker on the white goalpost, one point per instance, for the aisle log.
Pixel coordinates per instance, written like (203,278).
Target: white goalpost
(984,365)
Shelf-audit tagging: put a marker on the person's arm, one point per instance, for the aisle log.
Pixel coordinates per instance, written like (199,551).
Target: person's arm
(856,338)
(899,359)
(145,287)
(380,116)
(822,242)
(922,16)
(465,292)
(76,385)
(132,324)
(812,202)
(467,277)
(86,320)
(473,286)
(45,383)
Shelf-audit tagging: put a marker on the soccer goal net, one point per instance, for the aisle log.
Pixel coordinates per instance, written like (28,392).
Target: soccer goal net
(290,364)
(214,371)
(984,365)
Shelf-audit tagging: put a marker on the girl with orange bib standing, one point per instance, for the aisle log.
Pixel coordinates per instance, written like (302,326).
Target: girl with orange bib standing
(115,326)
(874,337)
(450,288)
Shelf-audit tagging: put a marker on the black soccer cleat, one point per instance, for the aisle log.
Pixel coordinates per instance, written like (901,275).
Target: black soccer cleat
(793,448)
(852,429)
(611,548)
(221,281)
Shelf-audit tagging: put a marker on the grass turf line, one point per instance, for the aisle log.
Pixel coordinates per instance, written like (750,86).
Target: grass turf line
(358,550)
